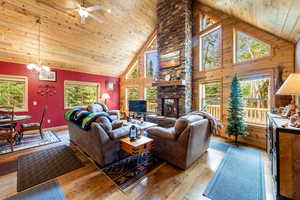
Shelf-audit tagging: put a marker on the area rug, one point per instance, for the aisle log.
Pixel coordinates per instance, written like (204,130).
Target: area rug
(46,191)
(41,166)
(128,171)
(30,141)
(239,176)
(219,146)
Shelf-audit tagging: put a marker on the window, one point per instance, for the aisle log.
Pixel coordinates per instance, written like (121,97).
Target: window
(14,92)
(255,92)
(210,98)
(151,98)
(210,49)
(131,94)
(206,21)
(249,48)
(81,94)
(133,72)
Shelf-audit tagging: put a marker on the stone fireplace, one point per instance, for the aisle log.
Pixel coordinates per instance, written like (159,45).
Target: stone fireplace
(174,33)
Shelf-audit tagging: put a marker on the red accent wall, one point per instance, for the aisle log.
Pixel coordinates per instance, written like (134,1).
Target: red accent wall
(56,103)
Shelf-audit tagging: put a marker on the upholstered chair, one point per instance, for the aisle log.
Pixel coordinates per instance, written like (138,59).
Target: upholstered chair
(184,143)
(100,108)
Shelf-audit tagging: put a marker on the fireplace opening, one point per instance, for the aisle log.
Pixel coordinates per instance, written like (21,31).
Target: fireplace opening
(170,107)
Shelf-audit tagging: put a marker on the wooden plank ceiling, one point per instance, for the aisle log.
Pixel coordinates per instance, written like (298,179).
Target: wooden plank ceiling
(105,48)
(280,17)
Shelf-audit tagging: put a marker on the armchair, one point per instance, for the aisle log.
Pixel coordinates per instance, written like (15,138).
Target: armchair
(184,143)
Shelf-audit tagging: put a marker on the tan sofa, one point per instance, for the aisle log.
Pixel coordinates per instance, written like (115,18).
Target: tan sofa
(102,141)
(184,143)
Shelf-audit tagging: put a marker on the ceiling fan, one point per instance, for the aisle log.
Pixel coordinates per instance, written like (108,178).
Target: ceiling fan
(85,12)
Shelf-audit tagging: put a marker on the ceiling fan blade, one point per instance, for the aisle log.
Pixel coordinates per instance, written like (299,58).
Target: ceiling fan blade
(93,8)
(82,20)
(66,9)
(96,18)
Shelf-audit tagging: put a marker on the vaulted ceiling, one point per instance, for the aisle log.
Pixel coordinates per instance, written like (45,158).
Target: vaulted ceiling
(105,48)
(280,17)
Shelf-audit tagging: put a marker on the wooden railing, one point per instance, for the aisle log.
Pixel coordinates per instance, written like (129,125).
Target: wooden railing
(252,115)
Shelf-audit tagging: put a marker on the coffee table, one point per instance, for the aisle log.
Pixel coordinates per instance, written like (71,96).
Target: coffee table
(138,147)
(144,126)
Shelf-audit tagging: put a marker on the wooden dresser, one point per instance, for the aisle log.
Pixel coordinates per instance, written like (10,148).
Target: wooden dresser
(283,147)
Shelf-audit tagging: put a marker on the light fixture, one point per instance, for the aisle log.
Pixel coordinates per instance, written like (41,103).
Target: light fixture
(109,10)
(105,97)
(39,67)
(83,12)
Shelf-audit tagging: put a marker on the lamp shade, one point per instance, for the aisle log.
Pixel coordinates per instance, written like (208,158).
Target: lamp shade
(105,96)
(291,85)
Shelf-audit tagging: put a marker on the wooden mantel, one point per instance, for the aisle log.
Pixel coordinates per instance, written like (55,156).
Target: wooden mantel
(168,83)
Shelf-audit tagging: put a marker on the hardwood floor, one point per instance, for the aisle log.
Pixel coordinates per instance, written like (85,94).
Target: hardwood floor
(166,182)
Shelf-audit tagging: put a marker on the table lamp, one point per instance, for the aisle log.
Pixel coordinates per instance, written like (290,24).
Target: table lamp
(105,97)
(291,86)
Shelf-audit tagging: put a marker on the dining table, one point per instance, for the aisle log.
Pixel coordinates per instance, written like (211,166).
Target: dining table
(15,120)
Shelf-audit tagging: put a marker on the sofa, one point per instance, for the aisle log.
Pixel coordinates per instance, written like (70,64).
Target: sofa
(102,141)
(100,108)
(184,143)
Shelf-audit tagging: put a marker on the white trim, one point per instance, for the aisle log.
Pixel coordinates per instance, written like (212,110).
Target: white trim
(18,79)
(80,83)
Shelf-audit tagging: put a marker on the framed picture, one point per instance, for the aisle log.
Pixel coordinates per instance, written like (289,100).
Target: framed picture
(110,85)
(151,63)
(47,76)
(170,60)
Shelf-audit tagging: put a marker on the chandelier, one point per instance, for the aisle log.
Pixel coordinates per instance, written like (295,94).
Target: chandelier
(39,67)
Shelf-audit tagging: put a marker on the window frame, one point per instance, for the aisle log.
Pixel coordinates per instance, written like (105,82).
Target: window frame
(201,84)
(145,98)
(80,83)
(204,33)
(235,48)
(135,65)
(18,78)
(126,95)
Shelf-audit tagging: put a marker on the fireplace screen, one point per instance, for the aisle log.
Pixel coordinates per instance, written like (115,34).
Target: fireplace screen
(170,107)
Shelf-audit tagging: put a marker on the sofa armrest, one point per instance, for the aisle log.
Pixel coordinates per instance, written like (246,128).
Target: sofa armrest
(114,112)
(120,132)
(160,132)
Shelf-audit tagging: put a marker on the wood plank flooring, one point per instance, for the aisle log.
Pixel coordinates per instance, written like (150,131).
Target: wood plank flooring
(166,182)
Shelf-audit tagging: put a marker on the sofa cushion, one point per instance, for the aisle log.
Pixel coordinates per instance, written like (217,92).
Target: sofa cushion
(95,108)
(116,124)
(180,125)
(119,132)
(167,133)
(104,123)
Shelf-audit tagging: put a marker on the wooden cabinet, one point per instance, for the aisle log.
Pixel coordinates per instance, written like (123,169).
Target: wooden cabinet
(283,147)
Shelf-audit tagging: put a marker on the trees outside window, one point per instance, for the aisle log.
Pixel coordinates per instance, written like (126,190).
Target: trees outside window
(210,51)
(13,92)
(133,72)
(80,94)
(132,94)
(250,48)
(210,99)
(151,98)
(206,21)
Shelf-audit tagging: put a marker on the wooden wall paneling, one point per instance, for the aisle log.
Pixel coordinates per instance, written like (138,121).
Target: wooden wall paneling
(283,54)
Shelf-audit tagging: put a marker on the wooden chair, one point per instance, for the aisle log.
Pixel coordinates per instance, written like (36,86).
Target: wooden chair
(7,112)
(33,126)
(8,134)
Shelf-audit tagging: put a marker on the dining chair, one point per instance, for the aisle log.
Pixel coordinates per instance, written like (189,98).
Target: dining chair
(34,126)
(7,112)
(8,134)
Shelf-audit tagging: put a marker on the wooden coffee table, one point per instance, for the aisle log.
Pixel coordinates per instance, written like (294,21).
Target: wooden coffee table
(138,147)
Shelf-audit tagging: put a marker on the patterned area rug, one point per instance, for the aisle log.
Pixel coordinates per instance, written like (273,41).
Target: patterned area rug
(30,141)
(129,170)
(41,166)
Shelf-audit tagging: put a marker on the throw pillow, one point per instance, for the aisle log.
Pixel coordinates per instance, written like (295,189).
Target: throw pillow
(116,124)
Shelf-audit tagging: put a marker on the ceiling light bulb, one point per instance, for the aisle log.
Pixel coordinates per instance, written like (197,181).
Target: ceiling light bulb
(46,68)
(83,13)
(31,66)
(109,10)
